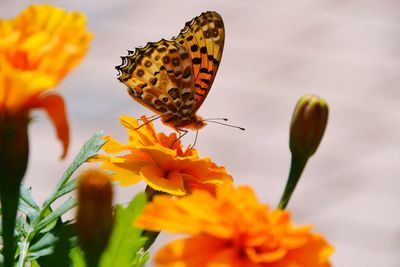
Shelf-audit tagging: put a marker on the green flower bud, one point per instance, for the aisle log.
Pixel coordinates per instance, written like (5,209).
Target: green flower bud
(94,219)
(306,130)
(308,125)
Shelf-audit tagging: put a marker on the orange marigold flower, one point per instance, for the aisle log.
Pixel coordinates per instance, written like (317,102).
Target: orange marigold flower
(159,160)
(37,49)
(231,228)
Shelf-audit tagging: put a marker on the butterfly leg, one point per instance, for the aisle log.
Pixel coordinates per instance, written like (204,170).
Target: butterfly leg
(195,140)
(152,118)
(182,133)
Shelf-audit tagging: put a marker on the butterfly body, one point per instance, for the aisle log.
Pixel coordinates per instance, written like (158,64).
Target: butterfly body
(173,77)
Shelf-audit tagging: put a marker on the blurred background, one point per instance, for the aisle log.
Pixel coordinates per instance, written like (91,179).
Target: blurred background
(348,52)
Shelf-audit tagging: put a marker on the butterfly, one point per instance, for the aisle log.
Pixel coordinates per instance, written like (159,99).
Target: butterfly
(173,77)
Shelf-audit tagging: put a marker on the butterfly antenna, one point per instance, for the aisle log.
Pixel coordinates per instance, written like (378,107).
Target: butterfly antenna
(229,125)
(147,122)
(216,119)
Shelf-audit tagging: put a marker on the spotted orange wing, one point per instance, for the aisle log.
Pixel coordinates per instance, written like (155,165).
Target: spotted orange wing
(160,76)
(203,37)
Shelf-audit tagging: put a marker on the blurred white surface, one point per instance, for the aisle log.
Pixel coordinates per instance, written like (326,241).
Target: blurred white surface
(275,51)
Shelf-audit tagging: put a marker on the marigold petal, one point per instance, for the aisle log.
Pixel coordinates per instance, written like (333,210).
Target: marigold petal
(126,169)
(145,135)
(112,146)
(37,49)
(314,253)
(266,257)
(193,252)
(172,183)
(54,105)
(165,166)
(251,234)
(194,214)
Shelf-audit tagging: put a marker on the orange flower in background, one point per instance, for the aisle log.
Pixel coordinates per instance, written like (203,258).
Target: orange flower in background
(159,160)
(37,49)
(231,228)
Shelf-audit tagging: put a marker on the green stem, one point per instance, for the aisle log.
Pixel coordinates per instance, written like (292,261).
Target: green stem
(9,205)
(14,152)
(296,169)
(24,247)
(150,235)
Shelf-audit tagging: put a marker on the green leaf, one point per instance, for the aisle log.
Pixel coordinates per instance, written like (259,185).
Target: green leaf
(49,226)
(27,204)
(44,243)
(141,258)
(43,220)
(26,196)
(67,188)
(77,258)
(65,207)
(125,241)
(88,150)
(60,248)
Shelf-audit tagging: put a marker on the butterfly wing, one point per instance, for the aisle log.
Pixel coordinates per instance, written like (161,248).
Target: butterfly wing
(160,77)
(203,37)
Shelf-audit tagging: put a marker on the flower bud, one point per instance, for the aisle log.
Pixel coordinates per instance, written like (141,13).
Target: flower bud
(308,125)
(94,219)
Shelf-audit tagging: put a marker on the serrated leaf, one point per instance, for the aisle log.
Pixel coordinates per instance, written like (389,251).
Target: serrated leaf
(60,248)
(50,225)
(125,239)
(27,204)
(46,241)
(88,150)
(45,219)
(65,207)
(28,210)
(40,253)
(26,196)
(67,188)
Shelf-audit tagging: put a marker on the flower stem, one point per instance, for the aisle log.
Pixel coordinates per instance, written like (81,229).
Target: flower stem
(14,152)
(150,235)
(9,205)
(296,169)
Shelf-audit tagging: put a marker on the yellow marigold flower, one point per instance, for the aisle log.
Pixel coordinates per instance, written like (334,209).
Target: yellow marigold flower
(37,49)
(159,160)
(231,228)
